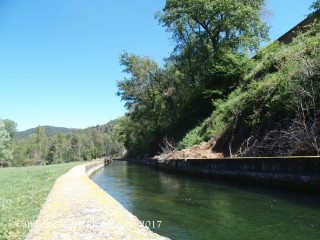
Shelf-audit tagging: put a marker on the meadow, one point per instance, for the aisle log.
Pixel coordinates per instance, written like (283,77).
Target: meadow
(23,190)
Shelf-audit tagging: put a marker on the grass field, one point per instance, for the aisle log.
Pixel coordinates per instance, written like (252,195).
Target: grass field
(22,193)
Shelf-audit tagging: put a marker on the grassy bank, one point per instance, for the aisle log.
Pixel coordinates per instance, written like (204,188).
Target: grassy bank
(22,193)
(275,111)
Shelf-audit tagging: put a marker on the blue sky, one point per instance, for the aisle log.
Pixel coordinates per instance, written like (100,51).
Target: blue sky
(59,59)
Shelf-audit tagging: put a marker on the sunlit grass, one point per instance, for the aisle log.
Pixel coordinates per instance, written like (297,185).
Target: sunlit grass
(22,193)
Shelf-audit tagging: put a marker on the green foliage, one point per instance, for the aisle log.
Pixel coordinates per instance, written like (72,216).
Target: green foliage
(279,95)
(40,149)
(213,39)
(209,61)
(5,144)
(152,96)
(42,142)
(197,135)
(227,24)
(315,5)
(50,131)
(11,127)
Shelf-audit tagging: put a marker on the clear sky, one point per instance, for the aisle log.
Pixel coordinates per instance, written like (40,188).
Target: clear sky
(59,59)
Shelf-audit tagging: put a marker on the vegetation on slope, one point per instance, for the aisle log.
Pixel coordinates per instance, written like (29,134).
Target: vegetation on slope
(50,131)
(209,61)
(40,148)
(210,88)
(275,111)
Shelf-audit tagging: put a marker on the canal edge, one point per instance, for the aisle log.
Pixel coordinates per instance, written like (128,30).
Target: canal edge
(297,173)
(77,208)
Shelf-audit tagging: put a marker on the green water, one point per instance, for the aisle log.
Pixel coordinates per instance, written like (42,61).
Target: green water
(194,208)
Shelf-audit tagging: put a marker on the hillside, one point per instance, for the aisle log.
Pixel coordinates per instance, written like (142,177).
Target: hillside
(276,109)
(50,131)
(51,145)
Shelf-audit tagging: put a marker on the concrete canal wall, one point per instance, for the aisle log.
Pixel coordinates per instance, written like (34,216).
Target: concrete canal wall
(298,173)
(77,209)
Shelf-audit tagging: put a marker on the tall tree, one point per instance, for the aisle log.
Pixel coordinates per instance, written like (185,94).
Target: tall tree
(153,96)
(60,149)
(76,146)
(213,37)
(5,144)
(230,24)
(139,90)
(11,127)
(42,142)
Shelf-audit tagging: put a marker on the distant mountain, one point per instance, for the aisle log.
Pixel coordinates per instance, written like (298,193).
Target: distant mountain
(50,131)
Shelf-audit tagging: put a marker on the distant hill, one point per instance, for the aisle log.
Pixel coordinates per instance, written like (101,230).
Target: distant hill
(50,131)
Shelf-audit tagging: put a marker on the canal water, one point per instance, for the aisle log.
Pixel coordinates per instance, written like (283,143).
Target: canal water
(185,207)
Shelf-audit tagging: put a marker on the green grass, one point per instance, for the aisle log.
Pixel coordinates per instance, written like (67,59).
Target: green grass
(22,193)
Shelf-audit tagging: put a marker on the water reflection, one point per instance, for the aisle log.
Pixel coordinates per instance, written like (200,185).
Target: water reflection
(193,208)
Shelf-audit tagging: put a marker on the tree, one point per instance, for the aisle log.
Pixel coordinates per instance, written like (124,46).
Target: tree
(76,146)
(227,24)
(315,5)
(42,142)
(208,63)
(98,143)
(51,154)
(140,88)
(153,96)
(60,149)
(5,144)
(213,37)
(11,127)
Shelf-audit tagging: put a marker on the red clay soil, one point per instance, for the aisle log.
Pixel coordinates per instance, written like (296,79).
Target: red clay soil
(201,151)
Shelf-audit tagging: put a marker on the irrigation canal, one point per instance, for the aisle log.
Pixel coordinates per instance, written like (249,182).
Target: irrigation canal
(190,208)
